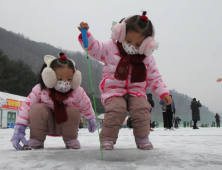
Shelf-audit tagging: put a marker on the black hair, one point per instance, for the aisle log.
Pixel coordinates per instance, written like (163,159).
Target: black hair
(57,63)
(137,24)
(194,99)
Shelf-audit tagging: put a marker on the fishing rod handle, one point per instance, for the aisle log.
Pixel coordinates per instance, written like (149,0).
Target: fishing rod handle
(84,37)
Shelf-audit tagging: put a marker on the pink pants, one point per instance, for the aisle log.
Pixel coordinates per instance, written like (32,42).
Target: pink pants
(116,111)
(42,122)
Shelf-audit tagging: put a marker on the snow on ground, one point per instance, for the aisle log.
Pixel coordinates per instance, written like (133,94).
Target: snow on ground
(182,148)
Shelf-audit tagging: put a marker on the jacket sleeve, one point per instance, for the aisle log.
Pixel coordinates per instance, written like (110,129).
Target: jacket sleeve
(84,104)
(33,98)
(97,50)
(154,79)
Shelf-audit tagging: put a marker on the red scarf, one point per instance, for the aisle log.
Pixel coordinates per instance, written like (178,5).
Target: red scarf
(138,67)
(60,110)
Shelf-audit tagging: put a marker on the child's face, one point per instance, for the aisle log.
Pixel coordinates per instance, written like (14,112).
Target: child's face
(64,74)
(134,38)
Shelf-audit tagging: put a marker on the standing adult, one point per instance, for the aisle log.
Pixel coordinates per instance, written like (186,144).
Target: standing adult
(168,111)
(177,121)
(217,117)
(195,112)
(129,122)
(150,100)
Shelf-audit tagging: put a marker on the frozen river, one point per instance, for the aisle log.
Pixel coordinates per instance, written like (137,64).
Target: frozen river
(182,148)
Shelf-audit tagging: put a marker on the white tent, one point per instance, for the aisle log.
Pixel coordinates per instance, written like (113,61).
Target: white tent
(11,96)
(101,116)
(9,106)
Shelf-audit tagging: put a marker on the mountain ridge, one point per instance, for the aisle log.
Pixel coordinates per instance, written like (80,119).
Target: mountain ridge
(19,47)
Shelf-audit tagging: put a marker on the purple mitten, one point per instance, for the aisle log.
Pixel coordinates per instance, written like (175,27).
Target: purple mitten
(19,135)
(92,124)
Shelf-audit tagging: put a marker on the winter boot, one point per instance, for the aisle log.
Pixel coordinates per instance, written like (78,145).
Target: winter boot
(107,145)
(35,144)
(72,144)
(143,143)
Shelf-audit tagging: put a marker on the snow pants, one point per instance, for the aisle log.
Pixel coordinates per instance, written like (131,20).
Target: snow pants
(42,123)
(116,111)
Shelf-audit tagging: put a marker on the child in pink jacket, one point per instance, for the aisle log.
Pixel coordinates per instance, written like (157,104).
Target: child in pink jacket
(53,107)
(129,69)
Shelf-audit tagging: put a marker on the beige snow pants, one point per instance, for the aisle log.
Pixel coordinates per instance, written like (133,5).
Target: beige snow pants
(116,111)
(42,123)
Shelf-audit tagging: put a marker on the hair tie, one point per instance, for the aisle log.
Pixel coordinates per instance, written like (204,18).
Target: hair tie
(144,17)
(62,55)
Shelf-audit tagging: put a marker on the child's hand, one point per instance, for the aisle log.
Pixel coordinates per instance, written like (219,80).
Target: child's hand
(92,124)
(167,99)
(83,25)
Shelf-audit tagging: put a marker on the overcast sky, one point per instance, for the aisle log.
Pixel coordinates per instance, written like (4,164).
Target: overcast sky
(189,32)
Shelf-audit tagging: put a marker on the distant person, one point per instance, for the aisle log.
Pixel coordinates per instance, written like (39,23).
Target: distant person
(129,122)
(177,122)
(168,111)
(189,124)
(53,107)
(184,124)
(164,115)
(150,100)
(157,124)
(217,117)
(195,112)
(129,68)
(81,123)
(153,124)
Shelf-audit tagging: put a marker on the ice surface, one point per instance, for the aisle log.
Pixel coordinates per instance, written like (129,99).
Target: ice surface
(182,148)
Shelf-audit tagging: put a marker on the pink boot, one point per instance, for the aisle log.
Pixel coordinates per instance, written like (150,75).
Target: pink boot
(107,145)
(143,143)
(35,144)
(72,144)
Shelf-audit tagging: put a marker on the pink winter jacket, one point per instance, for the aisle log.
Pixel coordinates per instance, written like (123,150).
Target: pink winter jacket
(108,53)
(77,98)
